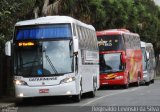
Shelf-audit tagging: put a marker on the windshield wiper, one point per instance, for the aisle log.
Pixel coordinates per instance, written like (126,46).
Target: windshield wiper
(50,63)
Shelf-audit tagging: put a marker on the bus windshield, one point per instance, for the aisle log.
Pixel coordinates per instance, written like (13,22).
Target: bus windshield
(46,58)
(144,57)
(110,63)
(110,42)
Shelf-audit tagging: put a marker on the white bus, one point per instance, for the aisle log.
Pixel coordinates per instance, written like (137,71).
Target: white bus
(148,62)
(151,61)
(54,56)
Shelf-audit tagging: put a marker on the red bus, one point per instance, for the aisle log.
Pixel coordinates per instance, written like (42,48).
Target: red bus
(120,57)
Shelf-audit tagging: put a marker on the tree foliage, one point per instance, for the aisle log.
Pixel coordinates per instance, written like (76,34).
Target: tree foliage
(140,16)
(12,11)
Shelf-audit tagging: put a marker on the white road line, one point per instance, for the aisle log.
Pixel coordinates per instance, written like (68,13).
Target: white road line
(134,89)
(124,91)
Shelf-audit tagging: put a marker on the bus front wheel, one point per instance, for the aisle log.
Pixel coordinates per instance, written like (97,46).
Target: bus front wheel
(152,81)
(92,94)
(138,80)
(147,83)
(126,86)
(77,98)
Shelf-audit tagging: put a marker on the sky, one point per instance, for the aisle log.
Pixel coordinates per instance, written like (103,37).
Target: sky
(157,2)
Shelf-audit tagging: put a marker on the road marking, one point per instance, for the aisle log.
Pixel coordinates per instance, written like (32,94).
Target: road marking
(134,89)
(124,91)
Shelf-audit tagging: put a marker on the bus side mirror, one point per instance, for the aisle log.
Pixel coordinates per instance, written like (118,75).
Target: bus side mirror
(147,54)
(123,58)
(8,48)
(75,41)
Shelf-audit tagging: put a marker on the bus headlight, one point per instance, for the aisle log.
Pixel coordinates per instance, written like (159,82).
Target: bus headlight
(119,77)
(67,80)
(20,82)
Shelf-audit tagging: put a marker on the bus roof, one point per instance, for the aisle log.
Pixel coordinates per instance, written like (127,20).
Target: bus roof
(143,44)
(149,44)
(53,20)
(115,32)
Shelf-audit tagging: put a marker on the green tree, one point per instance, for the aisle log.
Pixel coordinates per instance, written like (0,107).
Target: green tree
(12,11)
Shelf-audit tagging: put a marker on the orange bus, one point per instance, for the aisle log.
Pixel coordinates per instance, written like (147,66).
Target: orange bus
(120,57)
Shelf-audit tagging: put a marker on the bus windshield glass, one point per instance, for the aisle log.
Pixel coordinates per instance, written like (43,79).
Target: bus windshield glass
(110,42)
(45,58)
(55,31)
(110,63)
(144,57)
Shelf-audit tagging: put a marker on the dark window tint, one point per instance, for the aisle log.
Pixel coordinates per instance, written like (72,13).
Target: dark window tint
(110,42)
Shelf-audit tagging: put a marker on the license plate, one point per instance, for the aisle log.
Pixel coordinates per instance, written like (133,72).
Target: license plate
(44,91)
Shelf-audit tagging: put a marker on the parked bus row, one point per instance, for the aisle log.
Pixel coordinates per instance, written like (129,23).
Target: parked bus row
(60,56)
(124,59)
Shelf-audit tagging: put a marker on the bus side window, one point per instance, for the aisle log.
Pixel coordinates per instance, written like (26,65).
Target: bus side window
(131,42)
(86,38)
(89,39)
(123,42)
(79,36)
(74,29)
(126,40)
(83,38)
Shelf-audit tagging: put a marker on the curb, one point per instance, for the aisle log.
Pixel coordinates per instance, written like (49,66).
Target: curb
(157,78)
(6,105)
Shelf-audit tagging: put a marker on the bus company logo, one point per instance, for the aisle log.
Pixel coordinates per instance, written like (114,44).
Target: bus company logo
(43,79)
(116,41)
(110,76)
(101,43)
(104,43)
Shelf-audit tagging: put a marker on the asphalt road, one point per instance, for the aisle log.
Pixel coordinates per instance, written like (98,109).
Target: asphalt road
(146,96)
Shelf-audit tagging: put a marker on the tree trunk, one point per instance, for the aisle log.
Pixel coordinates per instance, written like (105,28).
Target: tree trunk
(50,9)
(36,10)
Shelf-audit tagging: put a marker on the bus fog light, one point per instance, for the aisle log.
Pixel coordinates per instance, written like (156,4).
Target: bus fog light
(68,92)
(119,77)
(17,82)
(21,95)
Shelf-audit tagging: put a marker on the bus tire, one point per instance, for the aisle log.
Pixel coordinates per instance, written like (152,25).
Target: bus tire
(77,98)
(147,83)
(152,81)
(92,94)
(138,81)
(126,86)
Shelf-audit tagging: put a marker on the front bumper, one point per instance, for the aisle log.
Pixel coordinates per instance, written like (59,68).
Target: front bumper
(112,82)
(146,77)
(56,90)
